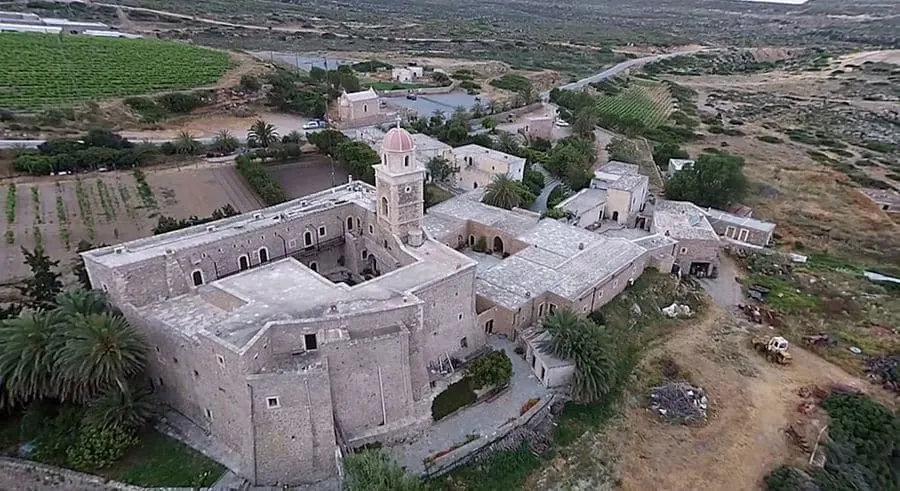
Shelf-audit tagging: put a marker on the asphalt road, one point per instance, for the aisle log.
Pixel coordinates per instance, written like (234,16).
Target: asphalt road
(615,70)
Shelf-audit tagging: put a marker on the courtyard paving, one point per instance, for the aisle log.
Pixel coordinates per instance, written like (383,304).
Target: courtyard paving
(482,419)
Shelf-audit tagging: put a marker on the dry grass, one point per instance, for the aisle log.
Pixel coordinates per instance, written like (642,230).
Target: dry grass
(811,203)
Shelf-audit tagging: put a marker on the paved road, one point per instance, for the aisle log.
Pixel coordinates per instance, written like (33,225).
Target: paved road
(615,70)
(550,183)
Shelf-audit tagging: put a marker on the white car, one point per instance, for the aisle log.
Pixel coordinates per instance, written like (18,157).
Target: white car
(561,123)
(313,125)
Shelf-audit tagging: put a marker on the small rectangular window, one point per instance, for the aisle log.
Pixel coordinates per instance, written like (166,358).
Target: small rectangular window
(221,360)
(322,231)
(272,403)
(310,341)
(292,243)
(208,414)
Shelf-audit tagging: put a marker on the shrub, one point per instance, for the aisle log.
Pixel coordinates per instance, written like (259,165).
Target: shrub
(260,180)
(180,102)
(534,181)
(769,139)
(456,396)
(512,82)
(250,83)
(57,435)
(148,110)
(494,369)
(97,447)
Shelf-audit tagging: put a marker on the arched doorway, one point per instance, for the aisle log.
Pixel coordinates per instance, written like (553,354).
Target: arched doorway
(349,223)
(498,245)
(243,263)
(197,276)
(474,185)
(615,216)
(263,255)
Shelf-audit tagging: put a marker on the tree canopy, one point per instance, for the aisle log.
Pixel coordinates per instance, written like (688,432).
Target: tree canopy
(578,339)
(372,470)
(715,180)
(504,192)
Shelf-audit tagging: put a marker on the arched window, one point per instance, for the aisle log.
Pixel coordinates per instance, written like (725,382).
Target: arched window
(406,161)
(197,276)
(384,159)
(365,107)
(349,223)
(384,206)
(314,266)
(243,263)
(263,255)
(474,185)
(307,238)
(471,240)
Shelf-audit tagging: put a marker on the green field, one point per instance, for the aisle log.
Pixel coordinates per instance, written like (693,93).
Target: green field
(648,103)
(41,70)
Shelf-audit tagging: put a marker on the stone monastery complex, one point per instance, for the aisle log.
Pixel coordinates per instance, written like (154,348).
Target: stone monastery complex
(332,320)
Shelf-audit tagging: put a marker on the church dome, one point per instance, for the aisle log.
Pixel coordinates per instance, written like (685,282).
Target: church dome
(397,140)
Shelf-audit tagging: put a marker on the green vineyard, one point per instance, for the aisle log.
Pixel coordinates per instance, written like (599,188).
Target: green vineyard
(44,70)
(647,103)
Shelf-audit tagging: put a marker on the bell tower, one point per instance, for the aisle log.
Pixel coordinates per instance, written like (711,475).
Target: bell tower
(399,185)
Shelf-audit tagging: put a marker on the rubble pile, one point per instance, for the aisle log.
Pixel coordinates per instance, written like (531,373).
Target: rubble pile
(679,402)
(885,370)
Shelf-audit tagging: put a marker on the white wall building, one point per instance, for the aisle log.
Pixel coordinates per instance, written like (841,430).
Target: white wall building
(478,165)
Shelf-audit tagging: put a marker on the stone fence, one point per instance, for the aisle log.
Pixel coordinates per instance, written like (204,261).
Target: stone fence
(444,89)
(510,436)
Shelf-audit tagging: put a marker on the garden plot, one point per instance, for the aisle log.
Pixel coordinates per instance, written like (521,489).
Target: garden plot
(108,208)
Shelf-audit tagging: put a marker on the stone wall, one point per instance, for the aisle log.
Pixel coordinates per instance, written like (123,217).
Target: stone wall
(293,426)
(531,428)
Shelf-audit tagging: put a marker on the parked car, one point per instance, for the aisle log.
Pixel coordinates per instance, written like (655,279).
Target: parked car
(314,124)
(412,97)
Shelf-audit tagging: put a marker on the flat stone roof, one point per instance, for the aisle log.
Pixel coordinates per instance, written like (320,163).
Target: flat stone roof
(562,259)
(655,241)
(425,143)
(740,221)
(355,193)
(473,149)
(682,220)
(629,182)
(584,200)
(237,307)
(447,215)
(619,168)
(536,337)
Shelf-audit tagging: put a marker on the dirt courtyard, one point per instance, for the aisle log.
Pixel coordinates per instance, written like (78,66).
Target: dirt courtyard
(311,174)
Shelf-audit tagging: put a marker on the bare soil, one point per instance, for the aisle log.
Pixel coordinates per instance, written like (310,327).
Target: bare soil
(208,125)
(752,403)
(111,208)
(311,174)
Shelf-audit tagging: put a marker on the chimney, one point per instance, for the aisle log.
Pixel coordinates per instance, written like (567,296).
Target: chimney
(415,237)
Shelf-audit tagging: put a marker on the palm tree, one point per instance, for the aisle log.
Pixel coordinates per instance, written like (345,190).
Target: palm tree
(585,121)
(574,337)
(262,134)
(373,470)
(27,353)
(73,303)
(503,192)
(97,351)
(122,406)
(293,137)
(225,142)
(185,144)
(507,143)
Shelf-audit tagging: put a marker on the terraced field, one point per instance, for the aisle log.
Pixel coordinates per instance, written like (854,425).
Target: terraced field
(41,70)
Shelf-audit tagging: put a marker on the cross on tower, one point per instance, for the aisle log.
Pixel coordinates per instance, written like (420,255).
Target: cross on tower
(398,120)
